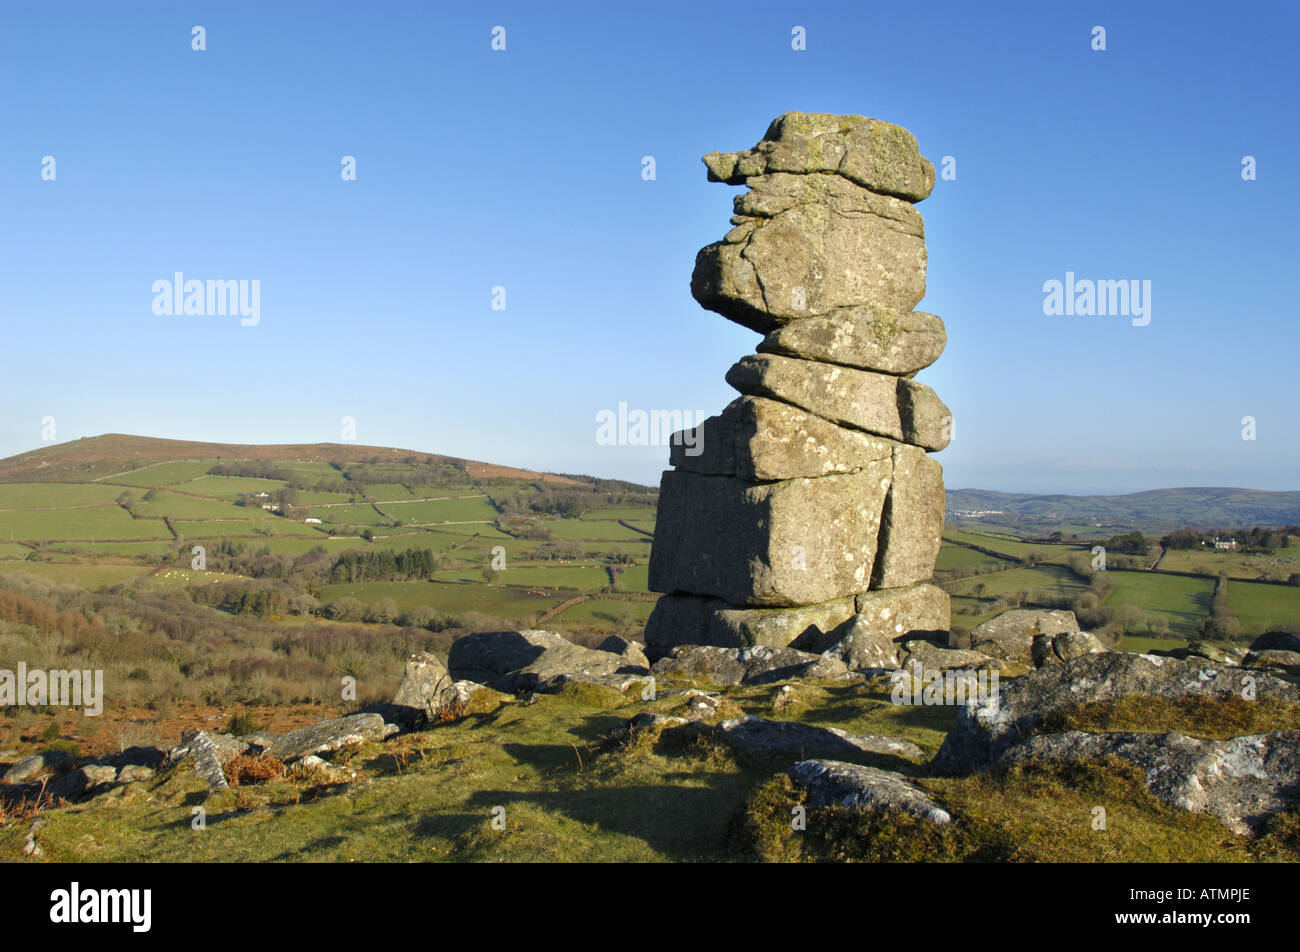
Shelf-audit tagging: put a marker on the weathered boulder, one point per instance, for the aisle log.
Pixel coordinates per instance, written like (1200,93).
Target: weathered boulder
(986,728)
(893,407)
(423,681)
(884,619)
(759,737)
(208,753)
(756,665)
(535,660)
(46,764)
(333,734)
(831,783)
(876,155)
(761,440)
(1010,636)
(799,542)
(224,747)
(1053,649)
(805,245)
(1241,781)
(1276,641)
(867,338)
(134,773)
(911,523)
(1214,653)
(1272,658)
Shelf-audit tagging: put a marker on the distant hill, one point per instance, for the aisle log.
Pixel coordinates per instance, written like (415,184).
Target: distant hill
(1157,510)
(97,456)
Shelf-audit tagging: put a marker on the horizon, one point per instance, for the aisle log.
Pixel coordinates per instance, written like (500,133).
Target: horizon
(522,169)
(654,485)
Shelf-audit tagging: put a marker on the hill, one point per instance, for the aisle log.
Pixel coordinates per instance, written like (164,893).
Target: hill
(97,457)
(1157,510)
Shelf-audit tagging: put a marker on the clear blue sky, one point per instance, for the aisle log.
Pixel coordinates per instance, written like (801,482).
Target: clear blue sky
(522,169)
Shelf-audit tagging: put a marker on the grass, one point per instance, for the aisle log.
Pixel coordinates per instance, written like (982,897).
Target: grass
(1260,607)
(489,599)
(1182,602)
(162,474)
(49,495)
(558,780)
(101,523)
(88,576)
(444,510)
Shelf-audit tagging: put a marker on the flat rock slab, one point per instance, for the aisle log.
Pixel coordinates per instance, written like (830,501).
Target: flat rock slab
(797,542)
(987,728)
(1053,649)
(761,440)
(760,737)
(881,404)
(727,667)
(700,620)
(833,783)
(330,735)
(1241,781)
(867,338)
(807,245)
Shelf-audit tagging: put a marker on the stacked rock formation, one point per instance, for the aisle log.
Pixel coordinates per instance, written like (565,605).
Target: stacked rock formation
(808,513)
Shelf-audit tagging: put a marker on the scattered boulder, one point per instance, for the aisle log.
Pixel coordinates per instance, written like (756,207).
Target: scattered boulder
(1272,658)
(833,783)
(423,680)
(37,766)
(1053,649)
(1276,641)
(986,728)
(1010,636)
(760,737)
(329,735)
(933,658)
(758,665)
(1241,781)
(884,619)
(1213,653)
(224,746)
(535,660)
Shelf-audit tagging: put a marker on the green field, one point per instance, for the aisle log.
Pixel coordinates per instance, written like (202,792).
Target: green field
(963,561)
(445,510)
(1183,602)
(495,600)
(164,502)
(604,612)
(1261,607)
(218,528)
(361,514)
(89,576)
(228,487)
(161,474)
(579,529)
(100,523)
(1007,545)
(1279,566)
(56,495)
